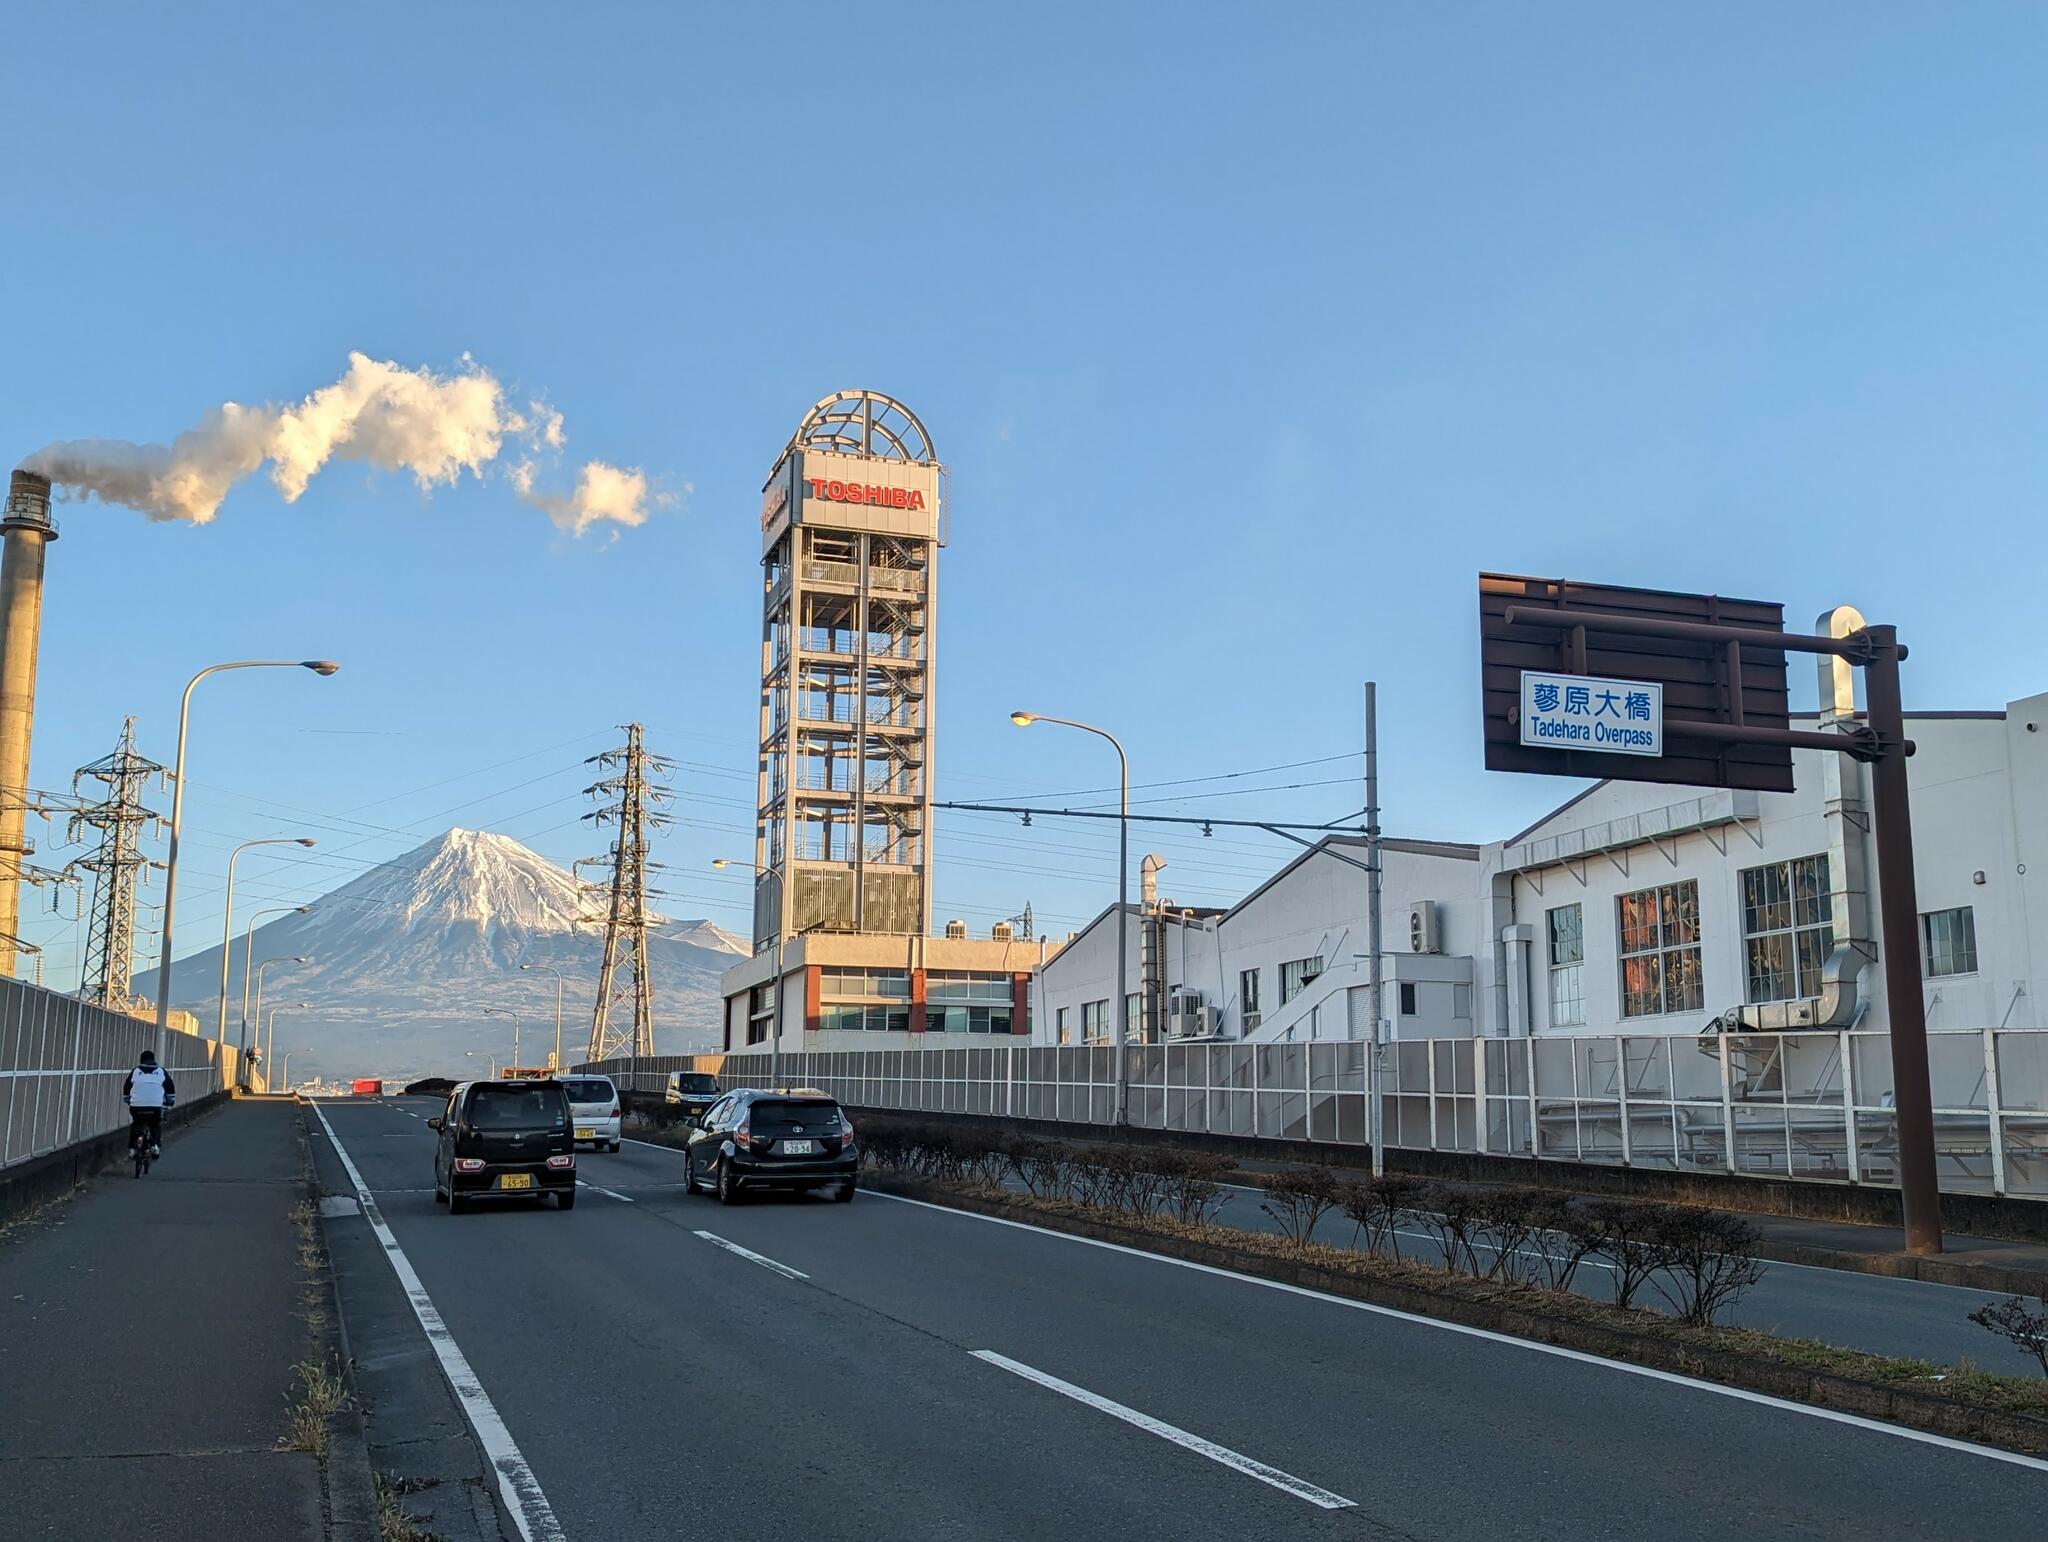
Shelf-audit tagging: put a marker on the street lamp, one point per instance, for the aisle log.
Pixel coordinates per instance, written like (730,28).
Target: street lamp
(227,922)
(775,1025)
(551,969)
(270,1041)
(303,958)
(163,967)
(249,947)
(470,1054)
(1123,890)
(285,1075)
(503,1012)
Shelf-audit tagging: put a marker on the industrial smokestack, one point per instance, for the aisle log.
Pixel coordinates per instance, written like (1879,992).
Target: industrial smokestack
(25,530)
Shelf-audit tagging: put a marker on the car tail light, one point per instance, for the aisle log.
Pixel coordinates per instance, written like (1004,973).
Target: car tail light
(743,1137)
(846,1129)
(615,1110)
(560,1162)
(469,1164)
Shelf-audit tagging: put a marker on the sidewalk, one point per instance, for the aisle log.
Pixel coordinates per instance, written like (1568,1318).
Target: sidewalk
(148,1328)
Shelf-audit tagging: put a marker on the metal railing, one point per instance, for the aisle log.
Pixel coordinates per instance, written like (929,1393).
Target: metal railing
(62,1062)
(1806,1105)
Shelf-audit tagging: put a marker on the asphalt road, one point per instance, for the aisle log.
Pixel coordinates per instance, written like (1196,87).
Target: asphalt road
(888,1370)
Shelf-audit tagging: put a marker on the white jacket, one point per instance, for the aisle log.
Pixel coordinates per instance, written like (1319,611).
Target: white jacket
(146,1087)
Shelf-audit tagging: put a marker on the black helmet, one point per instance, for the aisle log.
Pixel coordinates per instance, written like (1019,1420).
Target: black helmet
(149,1057)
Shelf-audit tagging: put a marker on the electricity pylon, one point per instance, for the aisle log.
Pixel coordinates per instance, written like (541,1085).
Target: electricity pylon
(622,1022)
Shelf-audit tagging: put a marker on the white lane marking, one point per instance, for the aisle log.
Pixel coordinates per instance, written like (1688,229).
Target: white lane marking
(607,1193)
(1284,1481)
(521,1491)
(749,1254)
(1833,1416)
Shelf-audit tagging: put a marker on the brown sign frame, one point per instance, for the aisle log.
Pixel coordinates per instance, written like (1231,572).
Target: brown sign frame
(1707,685)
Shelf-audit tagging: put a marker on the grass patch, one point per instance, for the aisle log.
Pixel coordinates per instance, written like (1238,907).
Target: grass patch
(319,1398)
(393,1523)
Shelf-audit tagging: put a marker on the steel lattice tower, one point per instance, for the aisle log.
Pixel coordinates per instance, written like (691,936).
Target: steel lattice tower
(630,800)
(119,817)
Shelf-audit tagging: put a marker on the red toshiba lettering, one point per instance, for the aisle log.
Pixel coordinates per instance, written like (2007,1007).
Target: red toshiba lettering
(817,486)
(916,499)
(836,491)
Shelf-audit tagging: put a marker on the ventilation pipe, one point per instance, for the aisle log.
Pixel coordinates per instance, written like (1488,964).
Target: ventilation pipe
(25,530)
(1148,880)
(1847,813)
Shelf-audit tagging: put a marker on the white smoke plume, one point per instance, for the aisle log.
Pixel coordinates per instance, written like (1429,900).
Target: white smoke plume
(397,419)
(603,492)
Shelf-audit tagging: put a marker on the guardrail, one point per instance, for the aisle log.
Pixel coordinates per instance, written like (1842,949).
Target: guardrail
(62,1062)
(1806,1105)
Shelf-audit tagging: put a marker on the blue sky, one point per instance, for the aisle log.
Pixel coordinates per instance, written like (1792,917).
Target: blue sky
(1249,335)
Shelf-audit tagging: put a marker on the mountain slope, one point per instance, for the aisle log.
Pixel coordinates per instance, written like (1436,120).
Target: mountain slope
(405,957)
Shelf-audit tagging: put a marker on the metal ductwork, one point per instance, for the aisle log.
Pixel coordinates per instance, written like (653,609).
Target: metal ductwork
(1847,810)
(25,530)
(1148,879)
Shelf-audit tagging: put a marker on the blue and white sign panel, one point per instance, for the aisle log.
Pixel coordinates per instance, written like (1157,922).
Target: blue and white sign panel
(1586,712)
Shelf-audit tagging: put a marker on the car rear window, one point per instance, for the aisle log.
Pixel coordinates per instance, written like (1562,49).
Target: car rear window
(777,1115)
(588,1091)
(695,1081)
(502,1106)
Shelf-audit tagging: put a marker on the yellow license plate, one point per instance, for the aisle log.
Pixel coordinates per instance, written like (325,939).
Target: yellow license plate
(515,1180)
(582,1134)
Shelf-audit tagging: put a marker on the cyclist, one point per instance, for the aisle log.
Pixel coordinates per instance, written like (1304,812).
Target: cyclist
(148,1091)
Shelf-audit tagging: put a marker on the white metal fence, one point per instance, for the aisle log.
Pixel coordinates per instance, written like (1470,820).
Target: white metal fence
(61,1065)
(1805,1105)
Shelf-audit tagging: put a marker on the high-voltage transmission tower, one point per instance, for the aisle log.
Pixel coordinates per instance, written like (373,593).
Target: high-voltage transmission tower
(630,799)
(119,818)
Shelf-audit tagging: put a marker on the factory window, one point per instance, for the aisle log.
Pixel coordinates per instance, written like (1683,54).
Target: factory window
(1132,1034)
(944,1019)
(1059,1018)
(1296,974)
(1786,935)
(1567,954)
(951,986)
(873,1017)
(1950,938)
(855,983)
(1094,1022)
(1660,950)
(760,1012)
(1407,998)
(1248,997)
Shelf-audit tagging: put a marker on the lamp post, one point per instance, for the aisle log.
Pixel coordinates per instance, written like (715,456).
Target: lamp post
(775,1023)
(163,967)
(551,969)
(285,1076)
(248,948)
(302,958)
(503,1012)
(270,1040)
(227,922)
(1123,886)
(470,1054)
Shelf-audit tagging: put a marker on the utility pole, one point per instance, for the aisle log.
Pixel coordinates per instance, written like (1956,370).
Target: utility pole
(622,1022)
(119,817)
(1375,942)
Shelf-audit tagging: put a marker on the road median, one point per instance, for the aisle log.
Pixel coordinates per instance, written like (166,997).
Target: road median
(1962,1404)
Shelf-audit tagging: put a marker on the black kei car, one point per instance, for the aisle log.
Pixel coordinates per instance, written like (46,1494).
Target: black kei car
(505,1140)
(772,1140)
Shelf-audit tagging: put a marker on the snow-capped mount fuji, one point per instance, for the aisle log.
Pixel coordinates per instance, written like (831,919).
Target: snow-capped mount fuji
(405,957)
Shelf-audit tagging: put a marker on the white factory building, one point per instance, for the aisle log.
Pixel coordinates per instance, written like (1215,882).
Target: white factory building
(1631,908)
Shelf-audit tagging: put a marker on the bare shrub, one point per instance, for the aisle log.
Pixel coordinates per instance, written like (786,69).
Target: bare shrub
(2013,1320)
(1194,1185)
(1706,1260)
(1299,1197)
(1452,1217)
(1623,1234)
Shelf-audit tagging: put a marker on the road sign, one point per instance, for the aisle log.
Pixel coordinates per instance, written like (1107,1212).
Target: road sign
(1706,689)
(1590,712)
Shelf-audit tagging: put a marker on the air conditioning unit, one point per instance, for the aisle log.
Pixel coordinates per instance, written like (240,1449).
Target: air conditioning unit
(1423,935)
(957,930)
(1001,932)
(1187,1017)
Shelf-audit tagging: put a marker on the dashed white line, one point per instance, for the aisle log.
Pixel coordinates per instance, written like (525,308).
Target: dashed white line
(752,1257)
(1284,1481)
(623,1199)
(1833,1416)
(521,1491)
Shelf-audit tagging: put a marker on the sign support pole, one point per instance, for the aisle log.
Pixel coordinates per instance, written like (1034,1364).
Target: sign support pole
(1375,942)
(1891,821)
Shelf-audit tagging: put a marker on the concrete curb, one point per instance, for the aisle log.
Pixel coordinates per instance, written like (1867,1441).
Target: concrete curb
(1905,1266)
(1873,1400)
(349,1482)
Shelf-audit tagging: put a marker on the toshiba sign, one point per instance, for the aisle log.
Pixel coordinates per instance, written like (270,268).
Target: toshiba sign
(865,492)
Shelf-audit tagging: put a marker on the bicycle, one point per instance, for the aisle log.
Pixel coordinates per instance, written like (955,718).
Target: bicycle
(138,1142)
